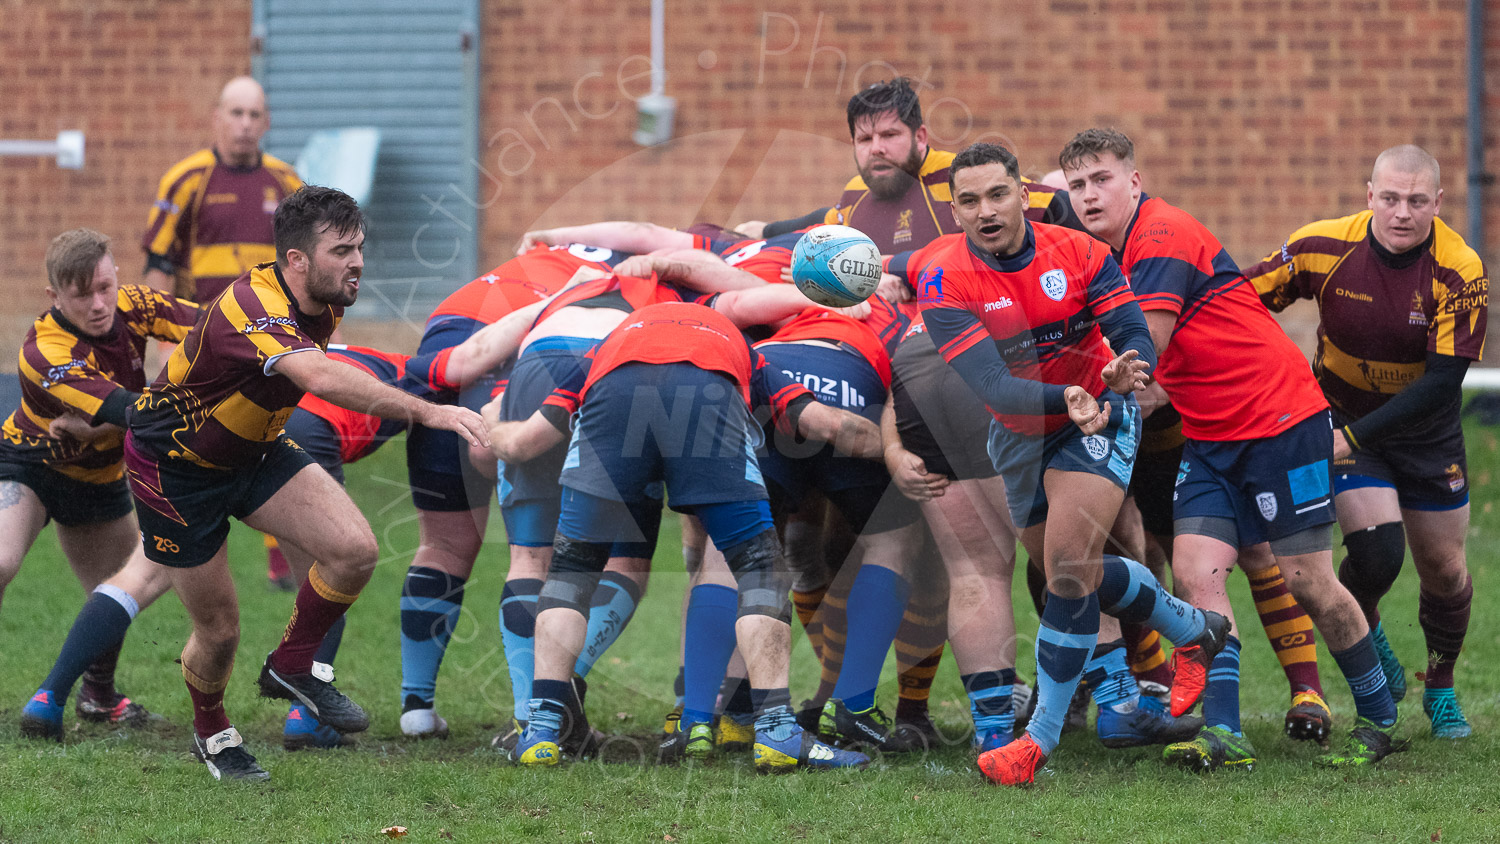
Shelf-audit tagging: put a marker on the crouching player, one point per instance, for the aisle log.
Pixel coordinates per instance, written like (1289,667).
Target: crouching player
(206,443)
(81,363)
(701,453)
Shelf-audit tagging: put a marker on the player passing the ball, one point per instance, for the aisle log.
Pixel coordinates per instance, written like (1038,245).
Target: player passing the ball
(1022,312)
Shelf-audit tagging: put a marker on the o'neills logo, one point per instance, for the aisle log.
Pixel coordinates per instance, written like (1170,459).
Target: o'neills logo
(263,324)
(1350,294)
(863,269)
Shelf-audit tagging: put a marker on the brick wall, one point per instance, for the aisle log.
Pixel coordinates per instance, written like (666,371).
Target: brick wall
(140,79)
(1255,115)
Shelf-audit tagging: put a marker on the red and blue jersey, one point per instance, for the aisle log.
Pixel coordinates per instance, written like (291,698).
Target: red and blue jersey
(847,332)
(1229,369)
(762,258)
(361,433)
(523,280)
(684,332)
(1022,328)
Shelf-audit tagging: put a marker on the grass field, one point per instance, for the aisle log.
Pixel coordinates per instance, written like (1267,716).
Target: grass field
(143,785)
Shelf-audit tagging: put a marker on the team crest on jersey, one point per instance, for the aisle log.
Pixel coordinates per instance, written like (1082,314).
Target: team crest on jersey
(903,227)
(1096,446)
(930,285)
(1418,315)
(1055,284)
(1266,501)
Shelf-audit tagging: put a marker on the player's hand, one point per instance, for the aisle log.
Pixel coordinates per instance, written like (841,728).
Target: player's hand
(638,266)
(752,229)
(893,289)
(533,238)
(1085,410)
(1341,447)
(858,311)
(909,472)
(71,426)
(1126,373)
(460,420)
(786,275)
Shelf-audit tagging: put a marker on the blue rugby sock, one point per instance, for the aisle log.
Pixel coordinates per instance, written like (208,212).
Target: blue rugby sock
(990,703)
(430,604)
(1221,699)
(877,600)
(614,602)
(1064,642)
(99,628)
(1110,681)
(711,613)
(1361,667)
(547,709)
(517,635)
(1129,592)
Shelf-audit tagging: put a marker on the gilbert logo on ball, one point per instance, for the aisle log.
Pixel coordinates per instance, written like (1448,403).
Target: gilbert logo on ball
(836,266)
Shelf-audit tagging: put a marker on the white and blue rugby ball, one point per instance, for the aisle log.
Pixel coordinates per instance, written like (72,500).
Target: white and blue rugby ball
(837,266)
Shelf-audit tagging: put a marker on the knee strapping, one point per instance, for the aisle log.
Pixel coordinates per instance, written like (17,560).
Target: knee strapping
(763,580)
(1374,561)
(576,566)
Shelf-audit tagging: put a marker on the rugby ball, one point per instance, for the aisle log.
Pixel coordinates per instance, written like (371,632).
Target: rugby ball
(837,266)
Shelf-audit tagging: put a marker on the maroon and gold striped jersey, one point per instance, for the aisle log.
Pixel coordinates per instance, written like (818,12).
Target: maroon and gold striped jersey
(63,370)
(215,220)
(1381,314)
(218,403)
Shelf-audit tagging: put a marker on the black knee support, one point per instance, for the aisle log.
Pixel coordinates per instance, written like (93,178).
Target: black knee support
(762,577)
(1374,561)
(576,566)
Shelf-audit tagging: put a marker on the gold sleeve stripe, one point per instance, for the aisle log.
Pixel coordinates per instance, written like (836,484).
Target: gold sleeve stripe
(1446,330)
(71,396)
(1318,262)
(941,193)
(1279,277)
(326,592)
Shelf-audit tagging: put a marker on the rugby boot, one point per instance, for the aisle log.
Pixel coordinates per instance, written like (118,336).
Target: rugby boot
(116,710)
(1367,744)
(226,757)
(1190,662)
(1447,717)
(1309,719)
(326,703)
(1015,763)
(869,729)
(42,718)
(1214,748)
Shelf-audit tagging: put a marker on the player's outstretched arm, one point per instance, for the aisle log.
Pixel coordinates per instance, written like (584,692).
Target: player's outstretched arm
(518,442)
(618,235)
(355,389)
(767,305)
(848,432)
(695,269)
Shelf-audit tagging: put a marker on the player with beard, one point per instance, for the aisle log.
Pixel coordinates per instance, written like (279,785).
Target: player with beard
(206,443)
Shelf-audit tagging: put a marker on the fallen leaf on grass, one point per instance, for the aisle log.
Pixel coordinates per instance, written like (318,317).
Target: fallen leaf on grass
(445,835)
(1438,836)
(394,832)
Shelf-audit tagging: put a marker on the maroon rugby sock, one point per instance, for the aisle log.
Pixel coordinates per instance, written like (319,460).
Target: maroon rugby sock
(318,606)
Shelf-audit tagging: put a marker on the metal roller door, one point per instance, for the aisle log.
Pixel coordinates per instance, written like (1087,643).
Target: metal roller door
(411,71)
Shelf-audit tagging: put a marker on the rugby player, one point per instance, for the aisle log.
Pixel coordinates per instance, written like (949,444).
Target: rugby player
(1255,469)
(1164,251)
(1022,312)
(206,443)
(610,494)
(82,361)
(1403,303)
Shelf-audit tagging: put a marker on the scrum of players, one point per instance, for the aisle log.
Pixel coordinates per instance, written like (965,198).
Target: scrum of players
(1079,368)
